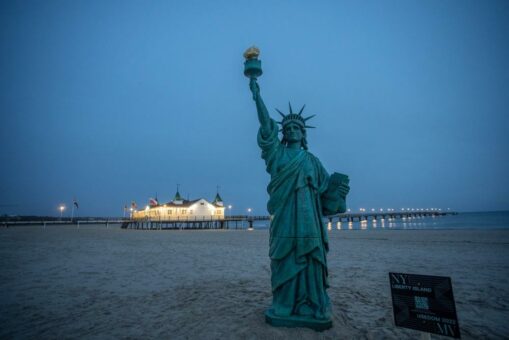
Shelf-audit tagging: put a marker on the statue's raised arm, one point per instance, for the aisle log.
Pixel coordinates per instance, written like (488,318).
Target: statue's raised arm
(252,70)
(263,114)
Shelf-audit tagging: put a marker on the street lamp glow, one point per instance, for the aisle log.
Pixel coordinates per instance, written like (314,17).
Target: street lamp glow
(61,208)
(251,224)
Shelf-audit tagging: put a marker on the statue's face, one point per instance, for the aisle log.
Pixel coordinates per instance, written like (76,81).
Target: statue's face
(293,132)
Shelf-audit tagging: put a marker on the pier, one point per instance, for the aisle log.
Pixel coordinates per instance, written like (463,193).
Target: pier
(373,216)
(6,223)
(241,221)
(228,222)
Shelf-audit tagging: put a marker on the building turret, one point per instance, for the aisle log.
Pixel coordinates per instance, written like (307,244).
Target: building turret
(178,199)
(218,200)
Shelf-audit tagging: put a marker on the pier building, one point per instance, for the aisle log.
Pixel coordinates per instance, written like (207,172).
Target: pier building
(180,209)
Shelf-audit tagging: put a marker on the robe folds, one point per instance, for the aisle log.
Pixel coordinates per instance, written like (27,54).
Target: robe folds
(298,236)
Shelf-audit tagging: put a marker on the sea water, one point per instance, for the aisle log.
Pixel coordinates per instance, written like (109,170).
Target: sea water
(465,220)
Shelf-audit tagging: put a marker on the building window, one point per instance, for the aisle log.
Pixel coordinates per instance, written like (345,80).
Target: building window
(190,211)
(184,211)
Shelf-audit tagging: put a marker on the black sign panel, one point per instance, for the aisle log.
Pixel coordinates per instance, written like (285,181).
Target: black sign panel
(424,303)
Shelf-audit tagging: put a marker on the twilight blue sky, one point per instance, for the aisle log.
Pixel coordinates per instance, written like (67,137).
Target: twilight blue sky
(113,101)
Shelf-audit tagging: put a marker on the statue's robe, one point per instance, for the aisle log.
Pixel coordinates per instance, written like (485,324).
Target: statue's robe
(298,235)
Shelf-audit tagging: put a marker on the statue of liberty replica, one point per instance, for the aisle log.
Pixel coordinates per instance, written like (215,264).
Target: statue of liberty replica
(301,193)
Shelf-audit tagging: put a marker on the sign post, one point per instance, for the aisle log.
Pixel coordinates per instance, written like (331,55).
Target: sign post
(424,303)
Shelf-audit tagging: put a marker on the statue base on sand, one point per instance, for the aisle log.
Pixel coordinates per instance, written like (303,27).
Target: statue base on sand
(296,321)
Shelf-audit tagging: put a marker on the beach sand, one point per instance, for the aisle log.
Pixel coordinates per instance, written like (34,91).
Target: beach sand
(93,282)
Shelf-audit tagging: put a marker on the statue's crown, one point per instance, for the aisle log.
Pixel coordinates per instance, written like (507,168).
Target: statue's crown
(294,118)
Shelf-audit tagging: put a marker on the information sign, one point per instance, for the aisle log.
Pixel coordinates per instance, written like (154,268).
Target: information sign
(424,303)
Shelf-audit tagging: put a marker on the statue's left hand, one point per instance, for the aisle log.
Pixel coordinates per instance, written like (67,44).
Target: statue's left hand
(344,189)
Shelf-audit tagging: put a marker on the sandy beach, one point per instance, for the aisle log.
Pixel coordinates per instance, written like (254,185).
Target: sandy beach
(93,282)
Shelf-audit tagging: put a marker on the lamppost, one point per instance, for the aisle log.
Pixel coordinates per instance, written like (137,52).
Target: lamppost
(250,227)
(230,209)
(61,208)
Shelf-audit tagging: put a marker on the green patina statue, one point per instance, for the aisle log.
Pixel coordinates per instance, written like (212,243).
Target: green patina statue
(301,193)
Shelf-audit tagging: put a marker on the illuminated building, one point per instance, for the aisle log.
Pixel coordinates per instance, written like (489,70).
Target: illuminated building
(181,209)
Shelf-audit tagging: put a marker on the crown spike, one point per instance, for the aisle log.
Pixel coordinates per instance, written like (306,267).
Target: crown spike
(308,118)
(300,112)
(281,113)
(290,106)
(310,127)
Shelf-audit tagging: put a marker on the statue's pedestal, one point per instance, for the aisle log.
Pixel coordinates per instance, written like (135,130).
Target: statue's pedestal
(296,321)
